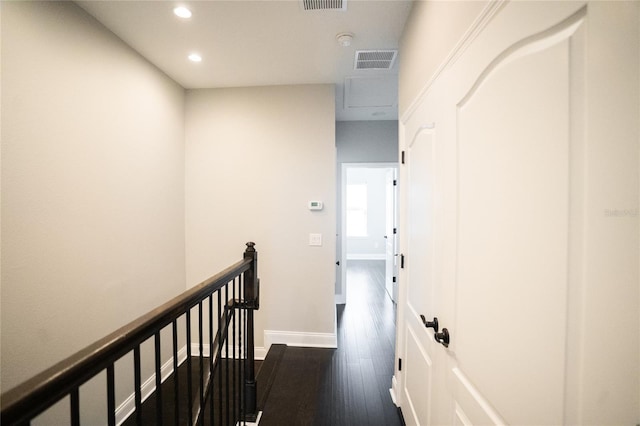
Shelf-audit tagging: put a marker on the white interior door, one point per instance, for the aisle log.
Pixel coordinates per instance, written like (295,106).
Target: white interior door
(514,195)
(522,214)
(421,292)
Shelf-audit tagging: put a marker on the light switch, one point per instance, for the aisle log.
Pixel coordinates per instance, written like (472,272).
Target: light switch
(315,239)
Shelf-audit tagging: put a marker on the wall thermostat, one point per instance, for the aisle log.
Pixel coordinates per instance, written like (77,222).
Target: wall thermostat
(315,205)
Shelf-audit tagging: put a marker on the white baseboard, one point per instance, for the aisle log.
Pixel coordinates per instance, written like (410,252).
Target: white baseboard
(392,391)
(127,408)
(366,256)
(259,352)
(295,338)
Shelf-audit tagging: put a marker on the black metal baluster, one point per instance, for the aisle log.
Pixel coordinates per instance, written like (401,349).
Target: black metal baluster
(111,396)
(226,348)
(241,353)
(219,358)
(189,367)
(233,348)
(75,406)
(158,380)
(176,388)
(138,384)
(201,363)
(211,349)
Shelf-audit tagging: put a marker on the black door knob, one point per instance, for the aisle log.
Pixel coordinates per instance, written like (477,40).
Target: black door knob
(442,337)
(430,324)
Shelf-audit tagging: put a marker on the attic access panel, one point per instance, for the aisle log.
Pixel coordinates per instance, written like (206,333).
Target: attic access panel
(370,92)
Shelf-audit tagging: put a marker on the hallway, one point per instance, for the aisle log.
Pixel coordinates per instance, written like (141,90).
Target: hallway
(349,385)
(366,342)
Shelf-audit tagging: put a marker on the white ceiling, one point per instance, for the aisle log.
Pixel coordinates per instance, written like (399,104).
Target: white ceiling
(266,42)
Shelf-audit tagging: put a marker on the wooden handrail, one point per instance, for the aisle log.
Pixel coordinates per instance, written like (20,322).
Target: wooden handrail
(35,395)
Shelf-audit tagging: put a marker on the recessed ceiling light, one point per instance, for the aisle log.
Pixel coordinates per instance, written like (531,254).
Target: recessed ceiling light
(194,57)
(182,12)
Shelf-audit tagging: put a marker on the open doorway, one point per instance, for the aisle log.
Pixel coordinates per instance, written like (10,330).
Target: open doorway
(368,221)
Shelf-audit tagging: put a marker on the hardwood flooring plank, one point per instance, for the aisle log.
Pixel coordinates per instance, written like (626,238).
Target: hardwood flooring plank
(372,396)
(348,386)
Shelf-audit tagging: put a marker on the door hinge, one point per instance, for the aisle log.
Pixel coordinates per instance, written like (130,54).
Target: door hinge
(394,279)
(395,230)
(402,157)
(395,182)
(402,261)
(399,364)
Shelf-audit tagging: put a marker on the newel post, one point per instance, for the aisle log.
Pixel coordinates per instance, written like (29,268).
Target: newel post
(252,302)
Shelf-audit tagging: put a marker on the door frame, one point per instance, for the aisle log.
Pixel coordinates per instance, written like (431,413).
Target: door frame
(341,250)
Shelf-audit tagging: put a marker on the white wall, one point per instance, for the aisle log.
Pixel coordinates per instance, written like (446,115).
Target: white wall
(254,158)
(92,185)
(367,141)
(435,27)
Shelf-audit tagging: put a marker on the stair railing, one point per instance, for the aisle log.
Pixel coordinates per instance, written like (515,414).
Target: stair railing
(226,392)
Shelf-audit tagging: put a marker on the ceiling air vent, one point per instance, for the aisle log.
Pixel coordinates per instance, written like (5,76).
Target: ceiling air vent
(375,59)
(324,4)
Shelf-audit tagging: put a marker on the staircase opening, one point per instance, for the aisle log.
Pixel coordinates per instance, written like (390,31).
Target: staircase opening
(208,330)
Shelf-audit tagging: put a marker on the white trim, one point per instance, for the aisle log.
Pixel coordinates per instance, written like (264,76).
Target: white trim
(259,352)
(392,391)
(128,407)
(486,407)
(341,297)
(487,14)
(195,349)
(366,256)
(296,338)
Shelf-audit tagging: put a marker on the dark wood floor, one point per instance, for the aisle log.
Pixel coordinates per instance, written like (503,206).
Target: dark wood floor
(349,385)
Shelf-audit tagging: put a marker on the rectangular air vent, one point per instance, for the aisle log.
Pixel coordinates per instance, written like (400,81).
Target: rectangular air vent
(324,4)
(375,59)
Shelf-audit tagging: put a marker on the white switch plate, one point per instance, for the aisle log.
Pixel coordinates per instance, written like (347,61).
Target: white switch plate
(315,239)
